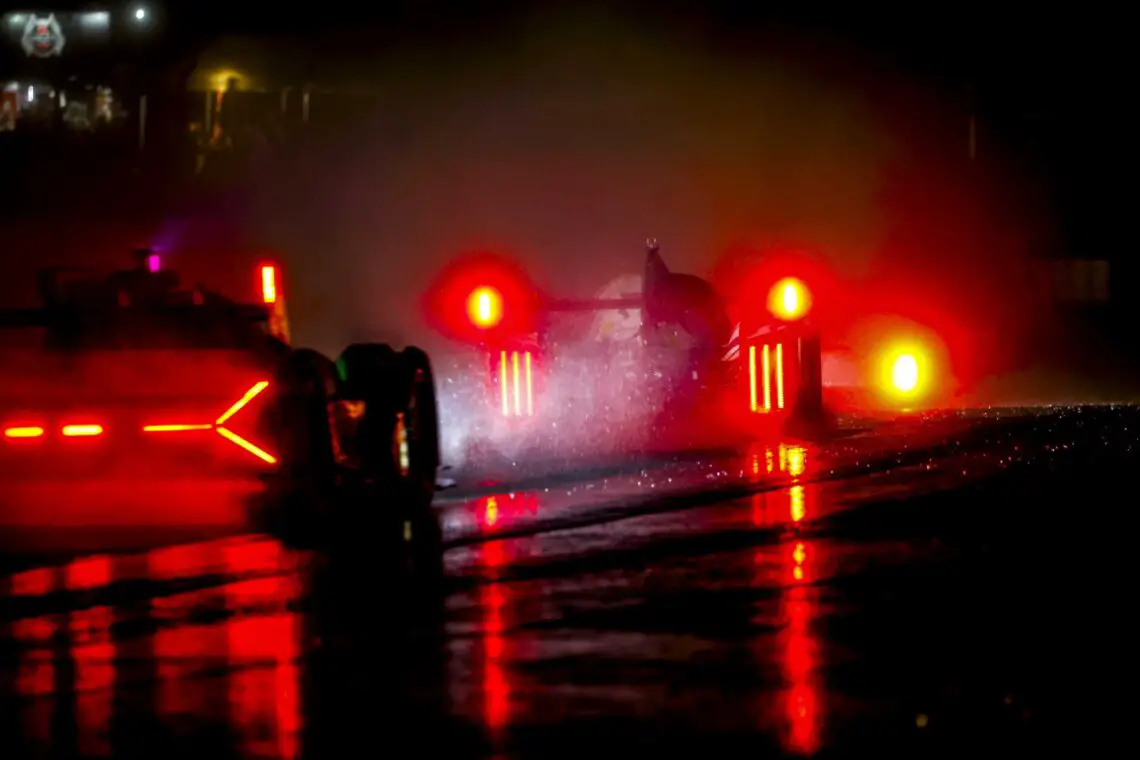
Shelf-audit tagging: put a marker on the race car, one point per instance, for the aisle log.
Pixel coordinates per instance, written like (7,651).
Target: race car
(130,395)
(662,359)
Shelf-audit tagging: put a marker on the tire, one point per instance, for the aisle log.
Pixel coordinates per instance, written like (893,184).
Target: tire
(369,372)
(307,483)
(422,420)
(398,391)
(373,373)
(422,532)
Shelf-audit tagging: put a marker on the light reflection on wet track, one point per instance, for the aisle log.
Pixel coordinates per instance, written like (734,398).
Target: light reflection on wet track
(570,610)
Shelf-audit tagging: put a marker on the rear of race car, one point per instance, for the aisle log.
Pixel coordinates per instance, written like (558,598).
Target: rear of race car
(132,437)
(631,369)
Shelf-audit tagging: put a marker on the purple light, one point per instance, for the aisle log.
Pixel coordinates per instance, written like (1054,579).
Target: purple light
(153,262)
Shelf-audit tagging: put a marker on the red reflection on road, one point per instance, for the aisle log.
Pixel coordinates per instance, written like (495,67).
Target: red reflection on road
(93,652)
(793,459)
(246,661)
(38,582)
(83,636)
(494,601)
(35,675)
(186,561)
(793,567)
(180,650)
(786,458)
(88,573)
(262,651)
(798,610)
(264,683)
(256,643)
(800,663)
(797,510)
(494,509)
(788,504)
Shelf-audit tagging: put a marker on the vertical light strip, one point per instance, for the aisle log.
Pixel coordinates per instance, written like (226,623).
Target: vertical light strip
(269,284)
(529,388)
(752,377)
(503,382)
(766,366)
(518,395)
(780,375)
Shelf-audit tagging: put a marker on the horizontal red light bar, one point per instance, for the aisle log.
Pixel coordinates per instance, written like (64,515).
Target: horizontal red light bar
(24,431)
(92,430)
(82,431)
(69,431)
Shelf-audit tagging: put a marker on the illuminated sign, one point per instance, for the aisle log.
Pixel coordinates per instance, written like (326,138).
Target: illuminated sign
(43,37)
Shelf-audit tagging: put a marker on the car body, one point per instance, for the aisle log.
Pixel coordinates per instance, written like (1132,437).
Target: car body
(661,360)
(126,396)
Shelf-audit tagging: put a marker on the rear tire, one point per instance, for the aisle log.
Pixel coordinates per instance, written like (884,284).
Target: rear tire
(373,373)
(307,481)
(422,419)
(398,391)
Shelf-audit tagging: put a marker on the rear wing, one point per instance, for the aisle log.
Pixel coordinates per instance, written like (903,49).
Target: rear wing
(655,272)
(72,295)
(627,303)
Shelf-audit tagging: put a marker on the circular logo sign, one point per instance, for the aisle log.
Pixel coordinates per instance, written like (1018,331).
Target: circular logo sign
(43,37)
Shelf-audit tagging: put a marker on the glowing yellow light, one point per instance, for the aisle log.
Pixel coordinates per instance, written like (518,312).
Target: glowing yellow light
(269,284)
(30,431)
(220,79)
(789,299)
(907,373)
(904,373)
(82,431)
(485,307)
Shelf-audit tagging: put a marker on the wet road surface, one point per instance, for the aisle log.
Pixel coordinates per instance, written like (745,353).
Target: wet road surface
(960,584)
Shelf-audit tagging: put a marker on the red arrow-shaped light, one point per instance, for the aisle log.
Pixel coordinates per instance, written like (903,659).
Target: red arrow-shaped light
(218,425)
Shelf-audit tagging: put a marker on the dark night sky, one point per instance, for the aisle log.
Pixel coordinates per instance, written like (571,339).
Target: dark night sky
(1038,60)
(1050,75)
(1045,74)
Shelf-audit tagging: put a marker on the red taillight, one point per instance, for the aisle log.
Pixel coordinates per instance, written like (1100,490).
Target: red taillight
(515,378)
(176,428)
(484,299)
(269,284)
(94,430)
(273,299)
(81,431)
(485,307)
(766,377)
(24,431)
(85,430)
(218,425)
(789,299)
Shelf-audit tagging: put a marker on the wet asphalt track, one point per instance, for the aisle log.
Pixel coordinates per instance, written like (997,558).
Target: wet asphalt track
(955,585)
